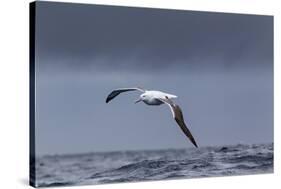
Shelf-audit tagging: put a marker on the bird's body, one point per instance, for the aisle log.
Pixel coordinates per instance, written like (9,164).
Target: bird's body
(153,98)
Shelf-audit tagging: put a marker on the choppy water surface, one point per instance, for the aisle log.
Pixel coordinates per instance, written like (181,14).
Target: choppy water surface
(109,167)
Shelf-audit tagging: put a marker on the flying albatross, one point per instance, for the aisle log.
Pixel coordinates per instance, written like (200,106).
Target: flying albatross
(157,98)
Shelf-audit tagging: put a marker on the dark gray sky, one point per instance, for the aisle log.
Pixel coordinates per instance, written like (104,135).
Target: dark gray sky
(219,65)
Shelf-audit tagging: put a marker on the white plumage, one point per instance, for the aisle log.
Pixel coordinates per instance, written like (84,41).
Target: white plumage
(150,97)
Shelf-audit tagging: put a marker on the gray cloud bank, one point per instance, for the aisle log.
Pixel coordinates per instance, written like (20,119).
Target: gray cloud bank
(83,37)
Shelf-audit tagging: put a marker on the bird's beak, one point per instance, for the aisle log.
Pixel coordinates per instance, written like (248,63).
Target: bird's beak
(138,101)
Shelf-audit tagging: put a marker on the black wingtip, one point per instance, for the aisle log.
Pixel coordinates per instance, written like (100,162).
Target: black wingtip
(194,143)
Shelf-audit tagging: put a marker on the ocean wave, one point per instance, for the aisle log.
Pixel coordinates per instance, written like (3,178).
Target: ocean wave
(98,168)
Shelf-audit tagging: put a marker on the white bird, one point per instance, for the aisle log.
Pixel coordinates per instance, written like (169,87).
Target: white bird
(150,97)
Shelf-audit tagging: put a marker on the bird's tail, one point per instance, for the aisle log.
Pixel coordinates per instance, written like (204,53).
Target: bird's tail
(172,96)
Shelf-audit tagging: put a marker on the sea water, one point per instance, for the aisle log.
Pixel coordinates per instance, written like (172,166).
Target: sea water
(132,166)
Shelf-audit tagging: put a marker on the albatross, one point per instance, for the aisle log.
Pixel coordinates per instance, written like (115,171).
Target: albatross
(151,97)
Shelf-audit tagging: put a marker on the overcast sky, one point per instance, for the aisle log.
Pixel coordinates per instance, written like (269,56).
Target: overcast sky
(219,65)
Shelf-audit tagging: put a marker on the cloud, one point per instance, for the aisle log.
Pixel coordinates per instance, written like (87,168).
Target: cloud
(108,37)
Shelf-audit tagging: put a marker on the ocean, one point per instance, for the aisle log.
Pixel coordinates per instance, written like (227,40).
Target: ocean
(148,165)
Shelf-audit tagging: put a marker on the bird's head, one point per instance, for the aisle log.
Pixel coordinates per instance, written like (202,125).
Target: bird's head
(141,98)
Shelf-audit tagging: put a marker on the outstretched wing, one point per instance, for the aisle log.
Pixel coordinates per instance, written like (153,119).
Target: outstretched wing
(116,92)
(178,116)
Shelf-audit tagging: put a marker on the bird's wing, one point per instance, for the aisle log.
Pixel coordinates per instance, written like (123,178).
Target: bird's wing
(116,92)
(178,116)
